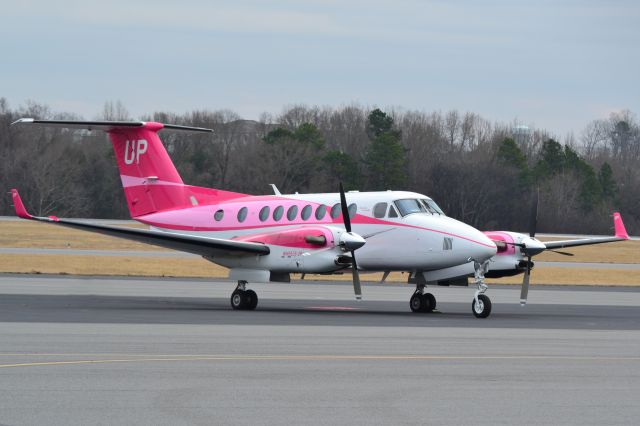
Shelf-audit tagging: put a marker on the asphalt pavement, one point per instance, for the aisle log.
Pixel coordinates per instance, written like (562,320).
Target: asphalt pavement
(84,351)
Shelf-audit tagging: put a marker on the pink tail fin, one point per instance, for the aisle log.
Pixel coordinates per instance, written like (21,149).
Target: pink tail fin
(150,180)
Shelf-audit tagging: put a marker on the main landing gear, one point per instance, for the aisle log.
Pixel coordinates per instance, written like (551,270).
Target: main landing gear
(421,301)
(243,299)
(481,304)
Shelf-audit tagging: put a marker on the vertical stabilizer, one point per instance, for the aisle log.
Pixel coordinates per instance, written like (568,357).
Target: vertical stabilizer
(150,180)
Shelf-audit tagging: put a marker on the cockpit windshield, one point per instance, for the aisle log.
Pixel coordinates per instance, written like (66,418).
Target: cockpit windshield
(410,206)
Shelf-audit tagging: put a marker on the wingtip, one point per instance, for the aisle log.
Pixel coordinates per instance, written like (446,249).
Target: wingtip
(23,120)
(618,224)
(21,211)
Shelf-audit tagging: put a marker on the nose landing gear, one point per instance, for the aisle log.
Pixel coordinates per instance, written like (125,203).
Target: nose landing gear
(243,299)
(421,301)
(481,305)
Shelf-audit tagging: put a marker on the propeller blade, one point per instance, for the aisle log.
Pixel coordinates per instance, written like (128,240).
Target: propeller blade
(533,218)
(347,226)
(524,292)
(356,277)
(345,209)
(564,253)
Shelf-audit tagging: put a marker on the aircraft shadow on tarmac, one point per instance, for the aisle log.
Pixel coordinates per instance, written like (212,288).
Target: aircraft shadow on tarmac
(216,311)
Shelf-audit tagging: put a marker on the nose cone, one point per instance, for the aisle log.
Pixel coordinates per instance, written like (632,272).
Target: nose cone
(475,244)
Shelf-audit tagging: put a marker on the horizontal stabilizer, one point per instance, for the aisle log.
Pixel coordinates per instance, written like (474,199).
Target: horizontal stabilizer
(107,126)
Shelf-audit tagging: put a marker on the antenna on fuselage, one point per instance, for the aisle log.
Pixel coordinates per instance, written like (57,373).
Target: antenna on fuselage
(276,191)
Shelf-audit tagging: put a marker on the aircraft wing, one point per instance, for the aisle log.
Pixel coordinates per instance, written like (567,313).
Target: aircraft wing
(203,246)
(581,242)
(620,235)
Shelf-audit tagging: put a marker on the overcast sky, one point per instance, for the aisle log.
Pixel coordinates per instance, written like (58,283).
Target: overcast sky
(553,64)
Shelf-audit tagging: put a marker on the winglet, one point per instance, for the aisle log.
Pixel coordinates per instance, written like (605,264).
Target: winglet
(621,232)
(21,211)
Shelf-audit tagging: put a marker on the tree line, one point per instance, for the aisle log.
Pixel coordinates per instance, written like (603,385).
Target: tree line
(478,171)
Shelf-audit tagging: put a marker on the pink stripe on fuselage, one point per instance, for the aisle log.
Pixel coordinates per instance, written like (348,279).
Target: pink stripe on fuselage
(200,217)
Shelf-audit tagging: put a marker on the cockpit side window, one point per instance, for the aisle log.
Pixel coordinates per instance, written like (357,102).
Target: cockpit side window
(432,206)
(379,210)
(409,206)
(392,211)
(426,206)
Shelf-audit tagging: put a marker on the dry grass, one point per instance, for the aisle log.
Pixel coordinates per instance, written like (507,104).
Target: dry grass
(579,276)
(27,234)
(24,234)
(110,265)
(199,268)
(618,252)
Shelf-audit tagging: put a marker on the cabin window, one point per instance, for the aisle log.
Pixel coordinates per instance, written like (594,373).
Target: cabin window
(306,212)
(353,209)
(292,213)
(218,215)
(277,213)
(379,210)
(264,213)
(321,210)
(336,210)
(242,214)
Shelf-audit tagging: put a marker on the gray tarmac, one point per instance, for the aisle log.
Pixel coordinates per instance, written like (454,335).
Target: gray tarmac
(85,351)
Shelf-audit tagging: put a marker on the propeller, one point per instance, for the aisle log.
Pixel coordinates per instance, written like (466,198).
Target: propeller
(564,253)
(533,224)
(533,217)
(351,243)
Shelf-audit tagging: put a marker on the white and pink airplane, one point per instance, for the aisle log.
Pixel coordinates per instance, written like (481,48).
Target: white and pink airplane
(266,238)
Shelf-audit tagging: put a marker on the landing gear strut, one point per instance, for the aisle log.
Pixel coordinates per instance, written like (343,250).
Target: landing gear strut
(421,301)
(243,299)
(481,304)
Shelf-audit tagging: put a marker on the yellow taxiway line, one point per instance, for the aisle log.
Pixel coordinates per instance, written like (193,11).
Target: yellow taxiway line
(172,358)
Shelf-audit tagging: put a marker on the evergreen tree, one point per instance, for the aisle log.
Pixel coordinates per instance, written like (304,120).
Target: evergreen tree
(385,158)
(291,158)
(510,155)
(341,167)
(552,160)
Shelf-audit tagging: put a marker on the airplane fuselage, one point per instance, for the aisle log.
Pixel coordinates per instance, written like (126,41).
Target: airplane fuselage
(402,231)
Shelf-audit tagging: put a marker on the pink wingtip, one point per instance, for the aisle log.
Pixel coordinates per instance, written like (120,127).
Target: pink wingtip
(21,211)
(621,232)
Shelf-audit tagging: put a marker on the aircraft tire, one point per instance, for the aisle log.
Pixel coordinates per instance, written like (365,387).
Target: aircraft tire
(431,301)
(239,300)
(421,302)
(483,309)
(252,299)
(416,303)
